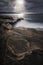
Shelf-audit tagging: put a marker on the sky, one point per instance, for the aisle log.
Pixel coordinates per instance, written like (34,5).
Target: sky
(30,5)
(31,10)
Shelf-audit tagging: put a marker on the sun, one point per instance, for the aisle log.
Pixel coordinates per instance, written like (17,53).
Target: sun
(19,6)
(20,1)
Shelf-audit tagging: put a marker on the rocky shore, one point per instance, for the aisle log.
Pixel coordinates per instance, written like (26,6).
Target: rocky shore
(21,46)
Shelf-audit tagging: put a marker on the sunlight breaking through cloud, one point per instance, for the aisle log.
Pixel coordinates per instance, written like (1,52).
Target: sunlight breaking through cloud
(19,8)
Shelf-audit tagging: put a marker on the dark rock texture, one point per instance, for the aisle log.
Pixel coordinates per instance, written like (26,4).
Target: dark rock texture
(21,46)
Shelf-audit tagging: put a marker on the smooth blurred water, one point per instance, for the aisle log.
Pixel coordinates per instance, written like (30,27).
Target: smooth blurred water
(28,24)
(31,10)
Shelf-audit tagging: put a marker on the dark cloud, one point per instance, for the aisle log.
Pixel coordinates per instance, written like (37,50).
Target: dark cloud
(7,5)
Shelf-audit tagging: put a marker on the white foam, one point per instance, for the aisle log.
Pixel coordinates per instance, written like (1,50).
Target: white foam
(27,24)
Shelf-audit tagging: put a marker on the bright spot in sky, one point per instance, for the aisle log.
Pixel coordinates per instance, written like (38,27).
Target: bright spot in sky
(21,15)
(19,8)
(20,1)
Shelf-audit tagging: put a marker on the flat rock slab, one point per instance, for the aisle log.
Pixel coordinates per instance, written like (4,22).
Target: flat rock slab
(18,42)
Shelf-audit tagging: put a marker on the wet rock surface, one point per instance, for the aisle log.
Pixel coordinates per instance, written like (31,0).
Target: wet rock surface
(21,46)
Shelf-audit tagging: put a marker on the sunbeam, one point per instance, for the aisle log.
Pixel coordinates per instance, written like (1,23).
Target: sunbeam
(19,8)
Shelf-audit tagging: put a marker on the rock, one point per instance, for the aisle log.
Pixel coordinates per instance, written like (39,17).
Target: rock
(35,58)
(17,43)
